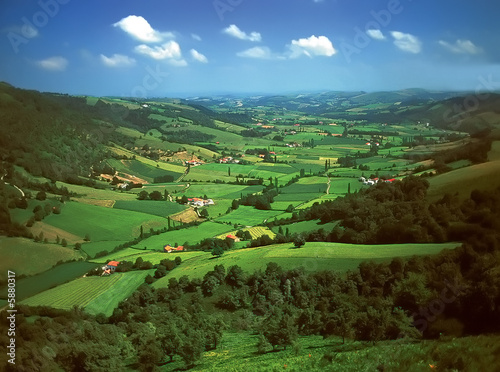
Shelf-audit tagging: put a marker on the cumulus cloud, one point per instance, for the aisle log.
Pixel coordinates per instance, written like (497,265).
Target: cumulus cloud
(117,60)
(169,51)
(461,47)
(312,46)
(256,52)
(375,34)
(140,29)
(234,31)
(56,63)
(407,42)
(198,56)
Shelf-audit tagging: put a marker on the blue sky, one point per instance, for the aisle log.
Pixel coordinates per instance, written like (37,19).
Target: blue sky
(198,47)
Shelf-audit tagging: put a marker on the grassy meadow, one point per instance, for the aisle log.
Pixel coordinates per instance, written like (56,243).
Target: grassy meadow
(313,256)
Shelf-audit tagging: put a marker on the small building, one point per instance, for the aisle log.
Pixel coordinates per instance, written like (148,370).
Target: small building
(235,238)
(169,249)
(110,267)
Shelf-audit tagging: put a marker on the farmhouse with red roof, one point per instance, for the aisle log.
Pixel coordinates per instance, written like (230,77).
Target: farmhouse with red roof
(235,238)
(169,249)
(110,267)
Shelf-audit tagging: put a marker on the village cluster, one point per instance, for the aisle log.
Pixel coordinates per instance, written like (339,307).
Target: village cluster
(373,181)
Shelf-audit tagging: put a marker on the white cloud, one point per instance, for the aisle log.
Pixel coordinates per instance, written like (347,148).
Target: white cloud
(117,60)
(407,42)
(375,34)
(198,56)
(140,29)
(256,52)
(461,46)
(234,31)
(312,46)
(196,37)
(169,51)
(53,63)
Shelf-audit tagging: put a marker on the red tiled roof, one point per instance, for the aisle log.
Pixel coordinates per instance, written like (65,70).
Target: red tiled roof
(231,236)
(113,263)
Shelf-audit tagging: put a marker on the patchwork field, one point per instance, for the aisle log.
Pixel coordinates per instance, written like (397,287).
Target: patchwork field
(255,232)
(48,279)
(312,257)
(95,294)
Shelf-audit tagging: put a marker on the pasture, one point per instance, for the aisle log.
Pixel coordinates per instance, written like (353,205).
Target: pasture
(192,235)
(131,254)
(103,223)
(485,176)
(25,257)
(248,216)
(92,248)
(313,256)
(60,274)
(96,294)
(305,227)
(153,207)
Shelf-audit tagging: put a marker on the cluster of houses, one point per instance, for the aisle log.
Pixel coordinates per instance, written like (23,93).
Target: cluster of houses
(199,202)
(373,181)
(169,249)
(193,163)
(295,144)
(228,160)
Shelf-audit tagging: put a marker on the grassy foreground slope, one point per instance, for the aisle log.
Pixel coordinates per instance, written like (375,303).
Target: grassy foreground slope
(315,256)
(485,176)
(239,353)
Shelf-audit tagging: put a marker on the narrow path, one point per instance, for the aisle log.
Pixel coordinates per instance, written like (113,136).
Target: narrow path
(18,189)
(328,188)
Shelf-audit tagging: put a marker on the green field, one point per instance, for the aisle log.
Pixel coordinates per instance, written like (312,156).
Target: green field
(305,226)
(95,294)
(102,223)
(131,254)
(248,216)
(255,232)
(156,208)
(192,235)
(214,191)
(313,256)
(485,176)
(92,248)
(58,275)
(25,257)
